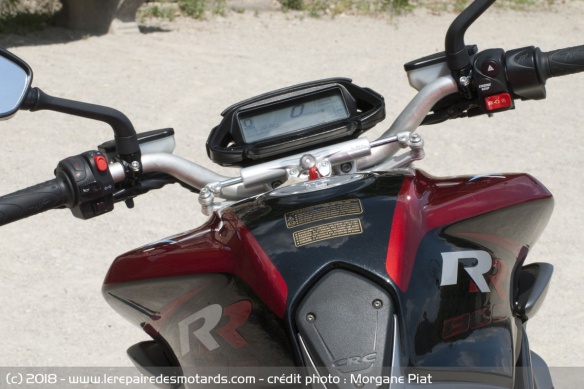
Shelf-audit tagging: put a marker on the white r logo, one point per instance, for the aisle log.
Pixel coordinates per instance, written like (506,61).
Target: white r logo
(211,316)
(237,314)
(450,261)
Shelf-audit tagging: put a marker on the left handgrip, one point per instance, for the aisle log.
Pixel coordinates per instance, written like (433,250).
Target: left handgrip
(35,199)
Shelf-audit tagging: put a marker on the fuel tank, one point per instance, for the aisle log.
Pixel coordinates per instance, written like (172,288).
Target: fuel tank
(354,275)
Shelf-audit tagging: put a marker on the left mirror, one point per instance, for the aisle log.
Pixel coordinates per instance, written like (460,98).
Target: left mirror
(15,80)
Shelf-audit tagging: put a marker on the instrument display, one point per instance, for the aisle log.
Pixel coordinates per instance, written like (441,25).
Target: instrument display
(294,116)
(293,120)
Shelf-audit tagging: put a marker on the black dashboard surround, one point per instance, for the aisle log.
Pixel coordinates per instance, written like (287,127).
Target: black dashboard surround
(339,110)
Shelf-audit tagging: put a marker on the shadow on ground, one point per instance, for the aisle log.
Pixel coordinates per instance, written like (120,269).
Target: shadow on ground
(56,35)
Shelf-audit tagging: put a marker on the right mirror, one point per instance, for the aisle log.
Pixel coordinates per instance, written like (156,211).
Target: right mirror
(15,80)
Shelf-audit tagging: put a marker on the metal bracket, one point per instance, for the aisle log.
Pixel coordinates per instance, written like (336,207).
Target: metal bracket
(410,140)
(214,189)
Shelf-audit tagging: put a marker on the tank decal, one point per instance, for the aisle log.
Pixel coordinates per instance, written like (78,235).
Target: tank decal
(327,231)
(322,212)
(425,203)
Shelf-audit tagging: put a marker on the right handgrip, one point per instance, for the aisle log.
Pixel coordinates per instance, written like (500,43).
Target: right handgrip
(560,62)
(35,199)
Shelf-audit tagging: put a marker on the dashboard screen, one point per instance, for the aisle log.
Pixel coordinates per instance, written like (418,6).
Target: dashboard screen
(292,117)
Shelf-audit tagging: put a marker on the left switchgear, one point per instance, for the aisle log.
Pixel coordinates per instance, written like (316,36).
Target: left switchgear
(92,183)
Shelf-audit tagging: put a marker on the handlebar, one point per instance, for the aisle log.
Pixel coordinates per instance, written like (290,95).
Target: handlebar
(39,198)
(67,190)
(89,186)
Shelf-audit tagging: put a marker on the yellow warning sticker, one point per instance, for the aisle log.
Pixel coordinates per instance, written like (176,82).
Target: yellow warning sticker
(327,231)
(321,212)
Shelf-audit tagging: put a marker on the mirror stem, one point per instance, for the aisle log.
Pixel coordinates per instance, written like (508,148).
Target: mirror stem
(456,52)
(126,139)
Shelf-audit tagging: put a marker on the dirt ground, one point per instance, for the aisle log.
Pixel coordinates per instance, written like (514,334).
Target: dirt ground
(183,74)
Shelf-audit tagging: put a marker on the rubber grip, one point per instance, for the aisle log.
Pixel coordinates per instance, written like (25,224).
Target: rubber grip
(564,61)
(33,200)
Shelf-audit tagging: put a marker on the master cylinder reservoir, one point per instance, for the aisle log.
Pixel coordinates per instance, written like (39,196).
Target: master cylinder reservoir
(423,71)
(157,141)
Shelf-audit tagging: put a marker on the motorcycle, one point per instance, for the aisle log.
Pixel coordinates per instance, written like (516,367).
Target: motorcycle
(328,252)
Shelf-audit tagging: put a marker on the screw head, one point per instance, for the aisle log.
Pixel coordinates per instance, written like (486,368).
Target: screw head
(135,165)
(310,317)
(359,384)
(307,161)
(464,81)
(377,304)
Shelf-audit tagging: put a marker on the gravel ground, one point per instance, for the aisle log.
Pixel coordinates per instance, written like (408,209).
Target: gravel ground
(183,74)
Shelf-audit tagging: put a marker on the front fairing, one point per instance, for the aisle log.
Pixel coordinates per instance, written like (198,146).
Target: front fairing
(392,231)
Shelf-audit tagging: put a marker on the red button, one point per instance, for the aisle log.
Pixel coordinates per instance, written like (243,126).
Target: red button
(313,174)
(498,101)
(100,162)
